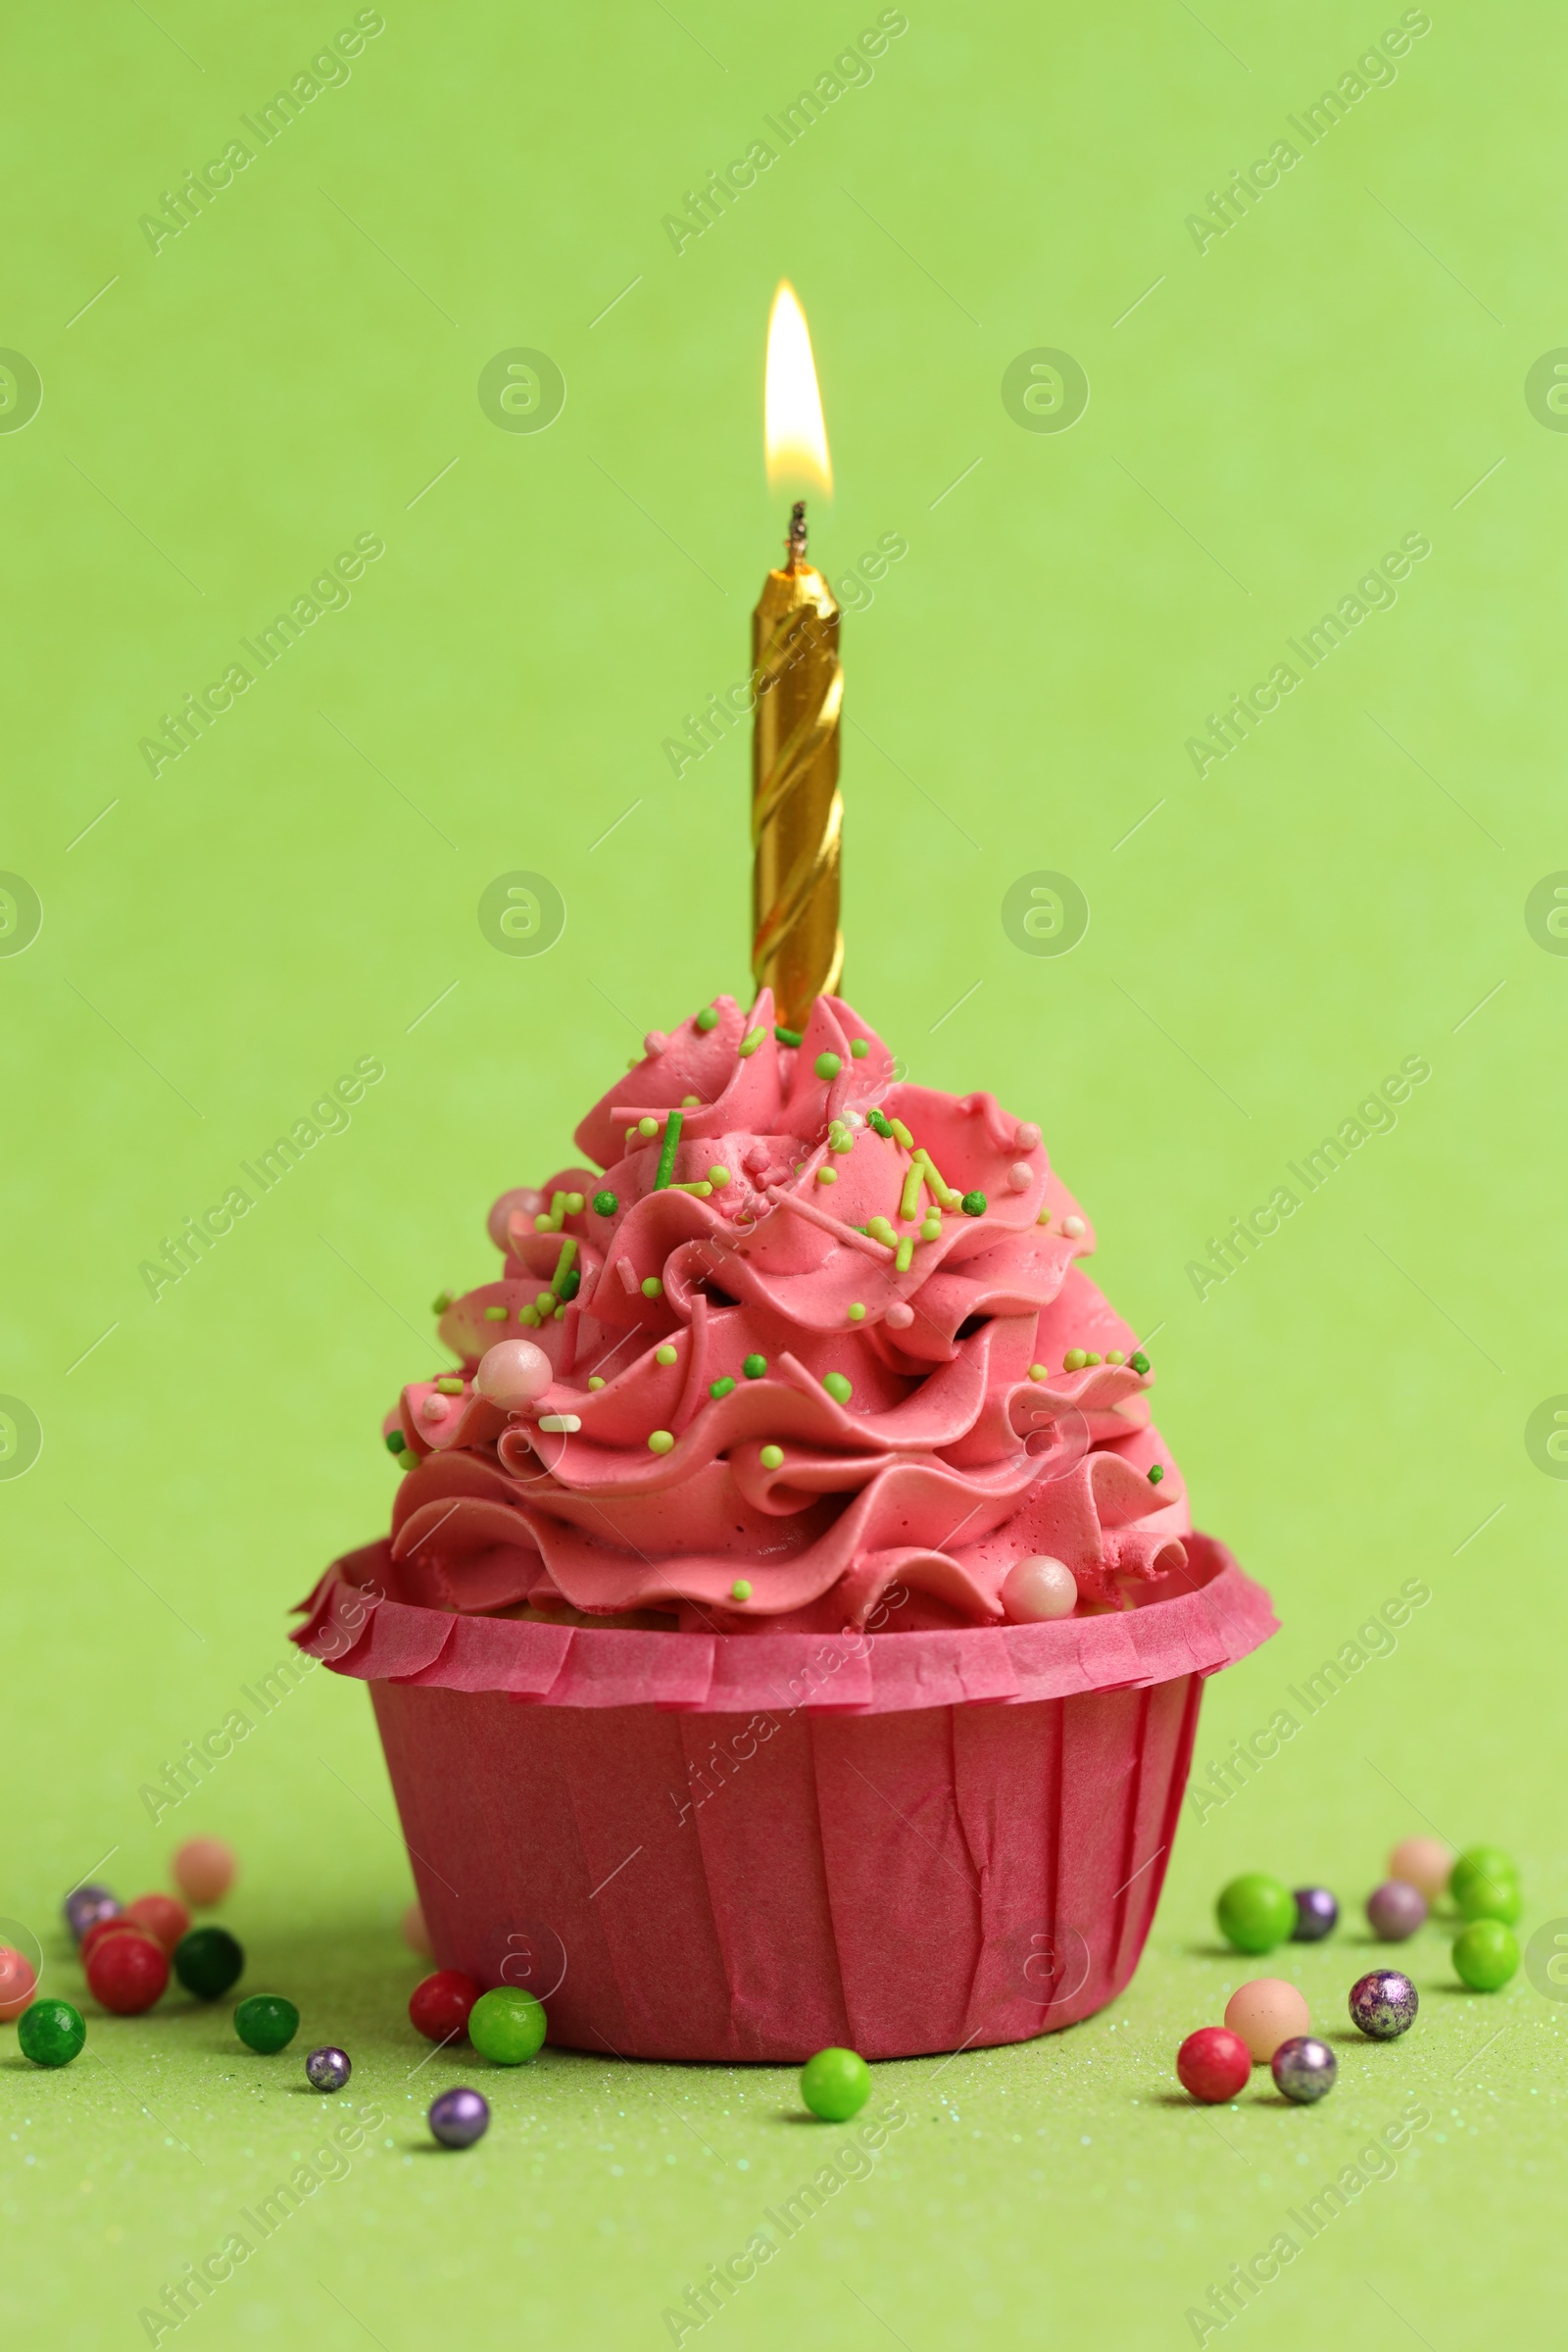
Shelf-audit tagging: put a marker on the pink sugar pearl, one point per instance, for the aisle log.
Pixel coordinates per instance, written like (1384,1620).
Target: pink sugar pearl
(899,1316)
(521,1201)
(1025,1136)
(415,1935)
(1266,2013)
(1423,1863)
(513,1373)
(1039,1588)
(1020,1176)
(205,1869)
(18,1982)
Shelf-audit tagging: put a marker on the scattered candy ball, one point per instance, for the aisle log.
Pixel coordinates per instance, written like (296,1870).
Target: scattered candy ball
(835,2085)
(208,1961)
(127,1972)
(1255,1911)
(1039,1588)
(507,2026)
(1213,2064)
(1383,2004)
(85,1904)
(1423,1863)
(513,1373)
(459,2117)
(1318,1914)
(415,1935)
(204,1869)
(51,2033)
(1485,1884)
(267,2023)
(1303,2069)
(1266,2013)
(18,1981)
(118,1924)
(327,2069)
(1486,1954)
(165,1919)
(1395,1910)
(439,2005)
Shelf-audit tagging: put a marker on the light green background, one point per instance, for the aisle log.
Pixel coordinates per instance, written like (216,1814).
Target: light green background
(301,889)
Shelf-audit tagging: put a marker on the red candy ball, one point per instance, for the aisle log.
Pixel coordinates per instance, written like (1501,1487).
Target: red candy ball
(126,1973)
(1213,2064)
(162,1917)
(120,1925)
(439,2007)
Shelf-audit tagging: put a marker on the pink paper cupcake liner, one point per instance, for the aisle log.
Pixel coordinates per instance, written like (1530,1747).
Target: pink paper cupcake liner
(751,1846)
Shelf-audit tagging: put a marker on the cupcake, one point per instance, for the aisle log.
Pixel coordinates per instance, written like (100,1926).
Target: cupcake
(791,1628)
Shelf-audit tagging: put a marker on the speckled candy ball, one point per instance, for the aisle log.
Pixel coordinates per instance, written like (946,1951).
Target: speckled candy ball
(459,2117)
(1266,2012)
(507,2026)
(514,1374)
(1383,2004)
(85,1905)
(208,1962)
(1039,1588)
(205,1869)
(1423,1863)
(835,2085)
(267,2023)
(1318,1914)
(18,1981)
(1486,1954)
(1303,2069)
(1395,1910)
(1255,1911)
(329,2067)
(1213,2065)
(51,2033)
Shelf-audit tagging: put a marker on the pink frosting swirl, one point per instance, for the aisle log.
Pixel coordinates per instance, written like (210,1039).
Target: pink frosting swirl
(763,1413)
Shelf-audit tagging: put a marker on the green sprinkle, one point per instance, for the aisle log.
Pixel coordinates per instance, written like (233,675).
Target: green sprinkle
(857,1312)
(661,1442)
(755,1366)
(881,1231)
(750,1041)
(664,1354)
(1114,1355)
(828,1066)
(838,1386)
(1039,1372)
(788,1037)
(740,1589)
(827,1175)
(772,1457)
(702,1188)
(1043,1217)
(605,1204)
(568,1250)
(545,1301)
(902,1134)
(440,1302)
(973,1204)
(568,1285)
(839,1138)
(449,1388)
(529,1315)
(904,1254)
(909,1197)
(667,1150)
(1139,1362)
(718,1178)
(1073,1360)
(595,1379)
(708,1018)
(495,1314)
(874,1119)
(653,1288)
(858,1048)
(1155,1475)
(1090,1357)
(574,1205)
(720,1388)
(690,1102)
(396,1441)
(647,1126)
(931,1230)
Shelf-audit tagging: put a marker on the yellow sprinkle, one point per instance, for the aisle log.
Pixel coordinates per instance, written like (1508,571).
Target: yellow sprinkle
(545,1301)
(750,1041)
(931,1230)
(653,1288)
(690,1102)
(827,1175)
(595,1379)
(529,1315)
(910,1200)
(856,1312)
(664,1354)
(718,1178)
(631,1137)
(936,1183)
(902,1134)
(772,1457)
(702,1186)
(1039,1372)
(632,1060)
(881,1231)
(449,1388)
(648,1126)
(1114,1355)
(1043,1217)
(574,1205)
(904,1254)
(661,1442)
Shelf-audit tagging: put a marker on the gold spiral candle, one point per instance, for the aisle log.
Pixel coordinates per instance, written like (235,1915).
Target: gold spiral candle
(797,815)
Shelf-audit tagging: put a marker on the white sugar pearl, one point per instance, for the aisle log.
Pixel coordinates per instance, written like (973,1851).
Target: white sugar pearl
(899,1316)
(1073,1227)
(1020,1175)
(1038,1589)
(513,1373)
(1026,1136)
(435,1409)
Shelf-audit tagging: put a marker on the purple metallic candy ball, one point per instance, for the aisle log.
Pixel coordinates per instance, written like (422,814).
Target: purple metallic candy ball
(85,1904)
(1395,1910)
(327,2069)
(1304,2069)
(1317,1915)
(457,2117)
(1383,2004)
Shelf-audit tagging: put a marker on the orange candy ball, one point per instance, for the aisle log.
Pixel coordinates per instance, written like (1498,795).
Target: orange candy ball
(205,1869)
(160,1916)
(1266,2013)
(1423,1863)
(18,1981)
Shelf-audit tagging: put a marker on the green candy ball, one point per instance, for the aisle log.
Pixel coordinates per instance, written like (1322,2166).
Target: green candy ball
(1480,1861)
(208,1961)
(507,2026)
(1486,1954)
(50,2032)
(1485,1884)
(836,2085)
(1255,1911)
(267,2023)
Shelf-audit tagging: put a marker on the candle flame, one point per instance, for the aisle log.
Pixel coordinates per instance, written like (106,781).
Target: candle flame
(794,433)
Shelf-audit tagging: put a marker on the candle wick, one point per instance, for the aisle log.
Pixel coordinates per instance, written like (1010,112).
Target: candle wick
(795,545)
